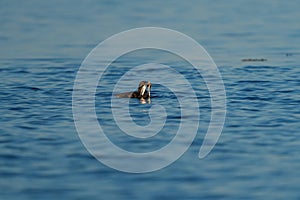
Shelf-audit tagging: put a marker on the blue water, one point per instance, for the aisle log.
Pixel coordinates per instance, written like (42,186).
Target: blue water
(42,45)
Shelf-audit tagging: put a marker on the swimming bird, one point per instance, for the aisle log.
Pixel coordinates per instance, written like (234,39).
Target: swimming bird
(142,92)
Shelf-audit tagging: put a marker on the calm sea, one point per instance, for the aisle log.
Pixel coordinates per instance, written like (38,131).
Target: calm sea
(42,45)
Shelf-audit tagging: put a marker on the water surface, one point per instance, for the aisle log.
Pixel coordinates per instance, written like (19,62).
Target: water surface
(42,45)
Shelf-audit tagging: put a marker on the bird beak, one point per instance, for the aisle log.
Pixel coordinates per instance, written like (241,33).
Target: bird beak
(149,88)
(143,90)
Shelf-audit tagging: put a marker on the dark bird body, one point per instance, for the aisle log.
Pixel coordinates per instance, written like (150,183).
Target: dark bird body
(142,92)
